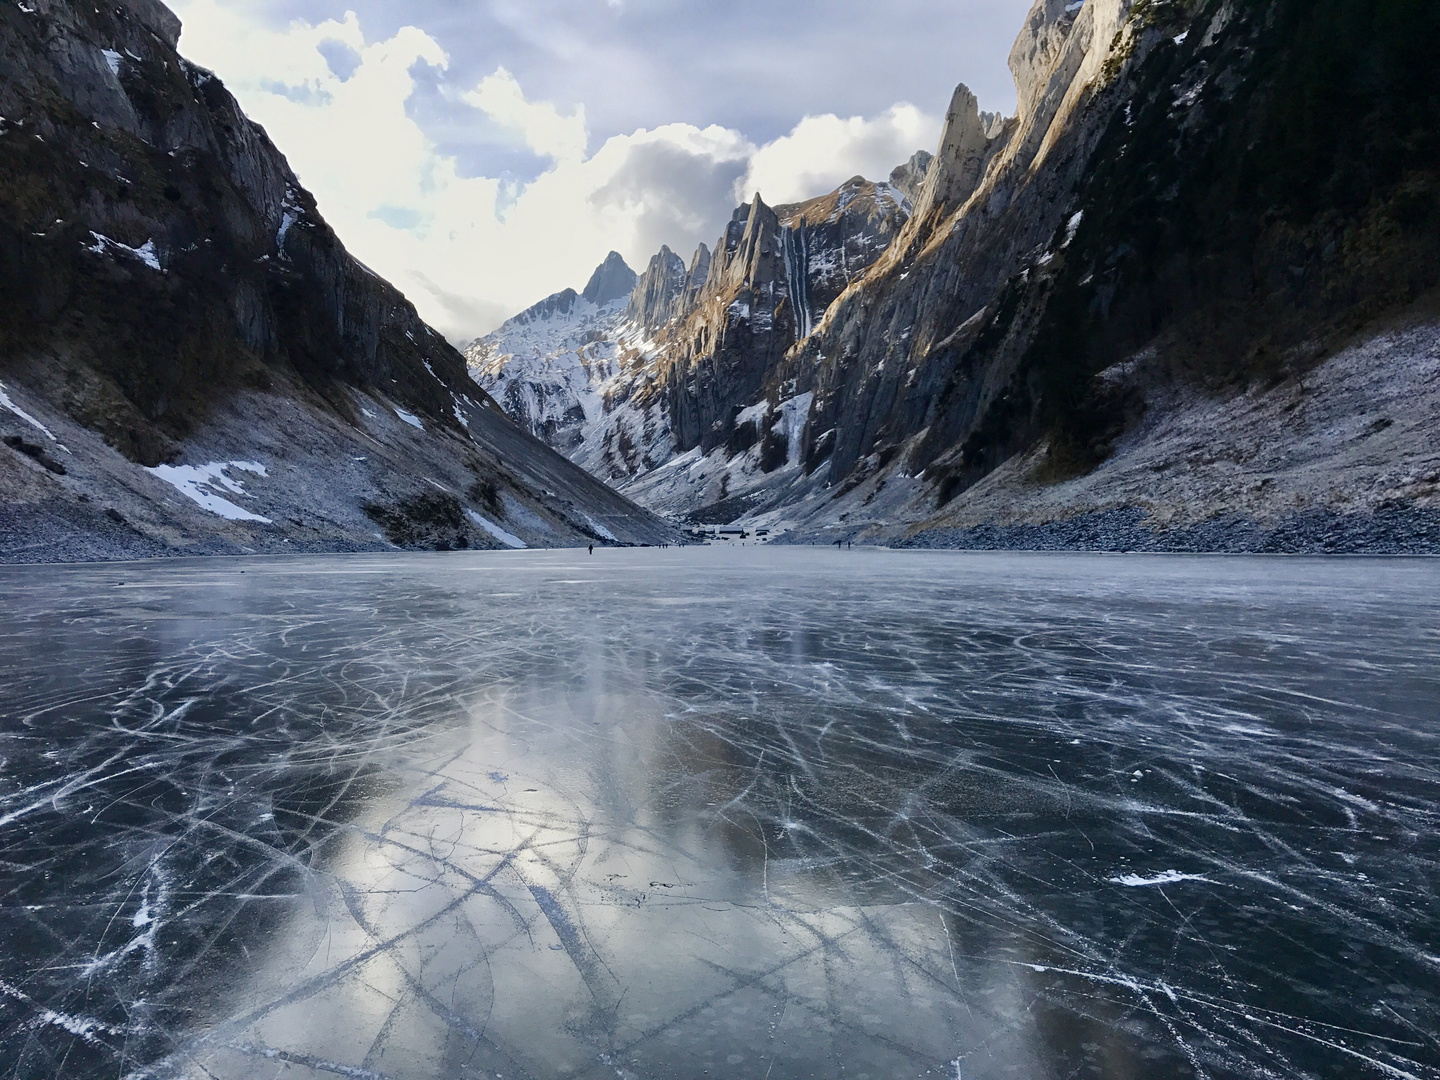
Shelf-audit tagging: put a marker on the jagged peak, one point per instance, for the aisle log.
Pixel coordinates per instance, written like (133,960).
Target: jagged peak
(909,178)
(612,280)
(560,303)
(657,291)
(665,257)
(700,262)
(959,164)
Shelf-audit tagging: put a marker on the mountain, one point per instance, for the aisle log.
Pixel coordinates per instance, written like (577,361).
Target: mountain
(190,361)
(1184,298)
(611,386)
(612,281)
(1206,230)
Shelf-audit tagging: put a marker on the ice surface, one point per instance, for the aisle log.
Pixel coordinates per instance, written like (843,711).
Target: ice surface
(732,813)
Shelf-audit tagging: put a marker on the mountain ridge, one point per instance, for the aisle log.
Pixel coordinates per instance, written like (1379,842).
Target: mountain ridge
(1045,280)
(166,279)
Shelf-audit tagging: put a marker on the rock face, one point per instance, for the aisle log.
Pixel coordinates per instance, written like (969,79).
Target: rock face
(907,178)
(1162,209)
(1093,235)
(612,280)
(660,292)
(625,392)
(171,303)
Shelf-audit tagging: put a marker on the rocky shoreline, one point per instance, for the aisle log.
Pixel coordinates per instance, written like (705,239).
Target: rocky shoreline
(1396,530)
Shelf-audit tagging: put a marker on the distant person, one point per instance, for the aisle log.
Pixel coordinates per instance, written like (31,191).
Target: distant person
(592,549)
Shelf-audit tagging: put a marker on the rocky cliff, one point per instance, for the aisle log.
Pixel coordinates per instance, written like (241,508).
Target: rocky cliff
(1195,199)
(1198,203)
(625,393)
(189,358)
(667,289)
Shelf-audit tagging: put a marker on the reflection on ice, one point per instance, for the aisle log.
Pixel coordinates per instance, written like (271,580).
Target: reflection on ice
(757,813)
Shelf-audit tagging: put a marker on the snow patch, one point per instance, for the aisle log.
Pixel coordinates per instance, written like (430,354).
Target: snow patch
(597,528)
(754,414)
(289,214)
(201,484)
(113,59)
(409,418)
(6,403)
(509,539)
(145,252)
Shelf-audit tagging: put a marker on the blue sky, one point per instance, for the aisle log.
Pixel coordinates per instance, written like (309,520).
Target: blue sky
(483,154)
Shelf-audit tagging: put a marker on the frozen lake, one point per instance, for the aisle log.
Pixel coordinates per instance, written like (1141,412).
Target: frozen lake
(747,813)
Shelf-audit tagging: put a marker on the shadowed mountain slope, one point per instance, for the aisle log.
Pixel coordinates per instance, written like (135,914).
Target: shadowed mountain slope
(172,304)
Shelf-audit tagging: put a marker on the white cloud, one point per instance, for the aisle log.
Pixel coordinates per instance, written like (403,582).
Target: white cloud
(470,250)
(823,152)
(545,130)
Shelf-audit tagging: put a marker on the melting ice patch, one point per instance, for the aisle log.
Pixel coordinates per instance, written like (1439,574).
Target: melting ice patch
(145,252)
(1168,877)
(507,538)
(201,484)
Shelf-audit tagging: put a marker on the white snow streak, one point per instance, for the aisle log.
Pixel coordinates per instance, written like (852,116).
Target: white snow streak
(146,252)
(507,538)
(600,530)
(6,403)
(198,483)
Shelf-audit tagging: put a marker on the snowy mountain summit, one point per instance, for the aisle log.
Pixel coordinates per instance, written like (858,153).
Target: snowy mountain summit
(547,364)
(599,376)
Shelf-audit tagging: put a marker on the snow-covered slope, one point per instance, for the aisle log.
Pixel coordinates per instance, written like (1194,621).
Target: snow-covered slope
(545,366)
(565,369)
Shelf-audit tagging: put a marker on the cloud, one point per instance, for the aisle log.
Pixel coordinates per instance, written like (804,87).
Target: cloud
(822,152)
(543,127)
(468,243)
(673,193)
